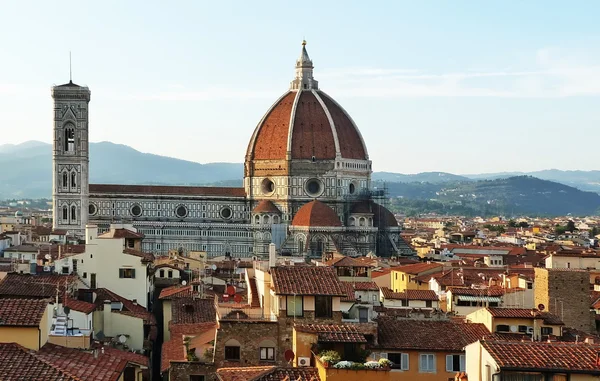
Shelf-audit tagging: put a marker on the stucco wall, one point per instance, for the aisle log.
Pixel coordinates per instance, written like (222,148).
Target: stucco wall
(25,336)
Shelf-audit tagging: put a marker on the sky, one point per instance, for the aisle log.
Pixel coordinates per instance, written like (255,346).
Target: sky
(462,87)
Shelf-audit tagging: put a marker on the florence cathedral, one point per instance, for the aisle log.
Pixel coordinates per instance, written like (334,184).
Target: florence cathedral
(307,186)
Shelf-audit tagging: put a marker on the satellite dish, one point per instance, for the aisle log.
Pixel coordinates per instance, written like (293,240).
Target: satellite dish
(541,307)
(48,256)
(184,283)
(237,298)
(213,267)
(67,310)
(514,328)
(289,355)
(122,339)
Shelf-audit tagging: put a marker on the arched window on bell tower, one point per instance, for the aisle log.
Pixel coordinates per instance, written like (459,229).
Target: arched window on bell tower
(65,213)
(74,180)
(69,137)
(73,213)
(65,180)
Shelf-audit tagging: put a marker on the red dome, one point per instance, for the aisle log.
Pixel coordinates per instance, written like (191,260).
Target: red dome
(266,206)
(316,213)
(306,123)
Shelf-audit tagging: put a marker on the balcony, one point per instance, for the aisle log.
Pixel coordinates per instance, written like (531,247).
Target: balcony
(242,314)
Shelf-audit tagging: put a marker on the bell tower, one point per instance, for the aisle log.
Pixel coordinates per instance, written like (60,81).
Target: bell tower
(70,158)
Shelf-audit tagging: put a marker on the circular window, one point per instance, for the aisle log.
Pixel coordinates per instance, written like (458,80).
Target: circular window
(92,209)
(314,187)
(352,188)
(136,210)
(268,186)
(226,212)
(181,211)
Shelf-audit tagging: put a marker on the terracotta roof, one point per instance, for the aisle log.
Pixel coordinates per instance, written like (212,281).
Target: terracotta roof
(129,307)
(22,312)
(333,333)
(177,291)
(306,280)
(121,233)
(418,268)
(544,356)
(267,373)
(34,286)
(409,294)
(266,206)
(79,305)
(23,249)
(525,313)
(168,190)
(349,292)
(192,311)
(363,286)
(174,350)
(430,335)
(312,133)
(492,291)
(19,363)
(83,364)
(146,257)
(381,215)
(65,251)
(316,213)
(347,262)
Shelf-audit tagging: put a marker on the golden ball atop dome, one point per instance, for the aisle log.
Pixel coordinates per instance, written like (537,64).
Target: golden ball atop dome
(303,42)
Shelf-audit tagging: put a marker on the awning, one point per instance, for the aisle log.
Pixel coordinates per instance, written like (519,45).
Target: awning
(483,298)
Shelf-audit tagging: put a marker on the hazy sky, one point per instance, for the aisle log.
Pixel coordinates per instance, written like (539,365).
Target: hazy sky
(461,86)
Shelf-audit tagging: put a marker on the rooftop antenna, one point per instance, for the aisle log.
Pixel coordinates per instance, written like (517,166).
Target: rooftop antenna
(70,69)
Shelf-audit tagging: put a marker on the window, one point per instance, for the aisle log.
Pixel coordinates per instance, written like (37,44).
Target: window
(374,296)
(428,303)
(232,353)
(73,180)
(170,273)
(523,329)
(267,354)
(84,275)
(547,331)
(427,362)
(294,305)
(65,269)
(65,182)
(502,328)
(399,360)
(73,213)
(162,273)
(127,273)
(65,213)
(529,285)
(455,363)
(70,138)
(195,377)
(323,306)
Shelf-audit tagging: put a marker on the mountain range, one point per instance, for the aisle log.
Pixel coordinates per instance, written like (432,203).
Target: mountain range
(28,167)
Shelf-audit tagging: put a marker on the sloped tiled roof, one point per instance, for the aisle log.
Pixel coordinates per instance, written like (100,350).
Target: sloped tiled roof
(525,313)
(19,363)
(316,213)
(121,233)
(347,262)
(418,268)
(33,286)
(177,291)
(129,307)
(22,312)
(267,373)
(492,291)
(168,190)
(428,335)
(146,257)
(409,294)
(266,206)
(192,311)
(79,305)
(333,333)
(174,350)
(306,280)
(544,356)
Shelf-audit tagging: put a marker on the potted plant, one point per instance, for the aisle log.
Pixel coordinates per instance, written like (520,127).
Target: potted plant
(385,363)
(329,358)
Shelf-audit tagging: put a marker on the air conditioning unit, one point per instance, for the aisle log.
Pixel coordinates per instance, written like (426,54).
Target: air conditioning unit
(303,361)
(530,330)
(47,268)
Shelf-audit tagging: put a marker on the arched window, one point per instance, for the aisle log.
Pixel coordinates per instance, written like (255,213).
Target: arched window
(266,220)
(362,221)
(257,219)
(300,246)
(352,221)
(65,213)
(73,179)
(70,138)
(232,350)
(65,181)
(73,213)
(275,219)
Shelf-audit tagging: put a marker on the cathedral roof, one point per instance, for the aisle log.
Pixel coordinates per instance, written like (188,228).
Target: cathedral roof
(306,123)
(316,213)
(167,190)
(381,215)
(266,206)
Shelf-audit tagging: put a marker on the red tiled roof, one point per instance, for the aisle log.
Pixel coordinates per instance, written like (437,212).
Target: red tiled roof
(271,136)
(349,292)
(146,257)
(131,357)
(19,363)
(266,206)
(525,313)
(333,333)
(22,312)
(381,215)
(316,213)
(430,335)
(192,311)
(121,233)
(79,305)
(306,280)
(418,268)
(65,251)
(174,350)
(267,373)
(409,294)
(129,307)
(34,286)
(363,286)
(492,291)
(82,364)
(347,262)
(168,190)
(177,291)
(544,356)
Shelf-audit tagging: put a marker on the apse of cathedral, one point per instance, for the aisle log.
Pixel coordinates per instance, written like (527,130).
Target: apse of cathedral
(307,186)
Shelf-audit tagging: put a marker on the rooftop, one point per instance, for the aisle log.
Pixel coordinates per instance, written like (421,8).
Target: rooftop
(19,363)
(22,312)
(409,294)
(306,280)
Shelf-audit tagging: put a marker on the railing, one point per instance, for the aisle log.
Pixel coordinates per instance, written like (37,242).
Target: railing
(244,314)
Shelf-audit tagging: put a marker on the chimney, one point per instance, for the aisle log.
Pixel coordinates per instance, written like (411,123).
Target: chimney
(107,315)
(589,340)
(95,353)
(134,301)
(272,255)
(91,233)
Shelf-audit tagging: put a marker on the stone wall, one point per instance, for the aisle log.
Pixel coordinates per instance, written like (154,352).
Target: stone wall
(181,371)
(250,334)
(565,292)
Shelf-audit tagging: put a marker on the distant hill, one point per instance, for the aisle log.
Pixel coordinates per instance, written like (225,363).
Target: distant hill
(519,195)
(427,177)
(584,180)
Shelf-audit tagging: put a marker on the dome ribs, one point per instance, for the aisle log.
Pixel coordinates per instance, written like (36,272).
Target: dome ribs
(351,145)
(312,134)
(271,141)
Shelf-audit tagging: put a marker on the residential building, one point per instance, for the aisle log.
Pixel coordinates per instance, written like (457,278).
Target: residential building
(409,298)
(407,277)
(536,324)
(26,322)
(463,301)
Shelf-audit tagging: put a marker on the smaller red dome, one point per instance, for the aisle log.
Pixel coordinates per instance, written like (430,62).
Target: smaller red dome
(381,215)
(266,206)
(316,213)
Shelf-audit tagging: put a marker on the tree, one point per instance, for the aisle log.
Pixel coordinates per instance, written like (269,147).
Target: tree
(523,224)
(512,224)
(594,232)
(571,226)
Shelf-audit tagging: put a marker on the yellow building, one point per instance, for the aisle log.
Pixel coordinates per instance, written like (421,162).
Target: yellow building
(525,321)
(405,277)
(25,322)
